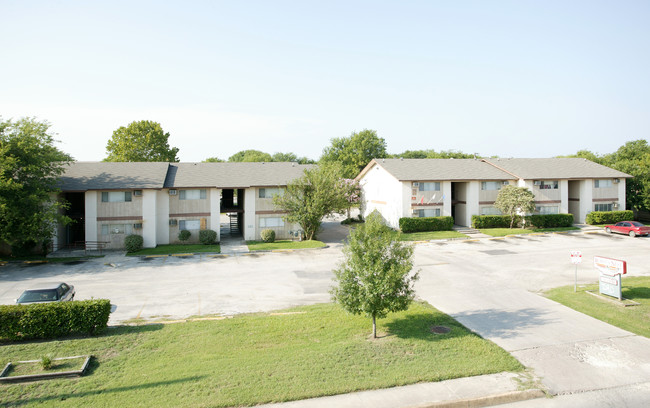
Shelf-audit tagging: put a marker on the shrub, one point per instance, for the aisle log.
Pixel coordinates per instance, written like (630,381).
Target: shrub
(46,362)
(420,224)
(53,320)
(493,221)
(549,220)
(184,235)
(268,235)
(207,237)
(133,243)
(609,217)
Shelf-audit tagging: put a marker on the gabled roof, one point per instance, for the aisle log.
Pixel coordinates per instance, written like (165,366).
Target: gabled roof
(556,168)
(233,175)
(438,169)
(83,176)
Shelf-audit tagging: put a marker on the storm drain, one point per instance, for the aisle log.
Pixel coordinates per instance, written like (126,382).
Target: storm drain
(498,252)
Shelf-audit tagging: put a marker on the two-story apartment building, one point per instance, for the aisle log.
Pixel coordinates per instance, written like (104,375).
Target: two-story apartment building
(157,200)
(461,188)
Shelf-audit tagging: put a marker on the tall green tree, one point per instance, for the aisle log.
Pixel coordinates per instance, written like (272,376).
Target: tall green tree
(515,201)
(30,167)
(633,158)
(375,277)
(250,156)
(291,157)
(308,199)
(213,160)
(432,154)
(355,152)
(140,141)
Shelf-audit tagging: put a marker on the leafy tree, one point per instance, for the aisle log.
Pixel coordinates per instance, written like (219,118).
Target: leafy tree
(514,200)
(308,199)
(142,141)
(213,160)
(432,154)
(355,152)
(352,192)
(375,277)
(30,166)
(633,158)
(291,157)
(250,156)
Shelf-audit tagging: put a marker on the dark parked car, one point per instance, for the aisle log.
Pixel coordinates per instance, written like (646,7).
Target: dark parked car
(631,228)
(48,292)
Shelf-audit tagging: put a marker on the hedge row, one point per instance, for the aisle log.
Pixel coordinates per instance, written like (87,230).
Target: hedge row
(609,217)
(537,221)
(420,224)
(53,320)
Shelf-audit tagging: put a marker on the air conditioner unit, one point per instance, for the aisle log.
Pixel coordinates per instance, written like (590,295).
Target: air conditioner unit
(137,226)
(616,181)
(173,191)
(538,182)
(173,222)
(615,205)
(414,211)
(506,182)
(137,193)
(416,184)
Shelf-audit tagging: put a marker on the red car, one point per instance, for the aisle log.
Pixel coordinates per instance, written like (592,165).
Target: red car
(631,228)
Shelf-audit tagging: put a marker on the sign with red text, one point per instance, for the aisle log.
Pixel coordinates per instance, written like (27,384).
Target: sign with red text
(611,271)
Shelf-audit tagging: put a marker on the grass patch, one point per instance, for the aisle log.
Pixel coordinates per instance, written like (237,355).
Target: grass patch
(283,244)
(176,249)
(259,358)
(429,235)
(635,319)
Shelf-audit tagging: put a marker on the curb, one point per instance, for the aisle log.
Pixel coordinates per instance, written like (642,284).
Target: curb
(489,400)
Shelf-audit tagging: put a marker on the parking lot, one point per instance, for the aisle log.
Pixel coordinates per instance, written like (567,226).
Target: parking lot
(178,287)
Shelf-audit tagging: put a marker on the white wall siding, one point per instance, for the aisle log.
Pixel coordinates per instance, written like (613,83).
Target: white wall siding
(149,217)
(586,199)
(215,212)
(621,195)
(472,207)
(249,214)
(382,192)
(564,196)
(91,215)
(446,198)
(162,221)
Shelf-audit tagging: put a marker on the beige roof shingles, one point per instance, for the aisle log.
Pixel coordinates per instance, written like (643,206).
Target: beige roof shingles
(439,169)
(83,176)
(556,168)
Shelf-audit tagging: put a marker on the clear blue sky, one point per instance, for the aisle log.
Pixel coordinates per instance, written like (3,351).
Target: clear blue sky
(508,78)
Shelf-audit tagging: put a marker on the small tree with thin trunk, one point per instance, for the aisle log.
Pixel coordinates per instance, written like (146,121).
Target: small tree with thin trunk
(515,201)
(375,277)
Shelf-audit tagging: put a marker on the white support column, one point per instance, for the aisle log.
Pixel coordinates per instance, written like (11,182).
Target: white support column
(472,207)
(91,215)
(446,198)
(621,195)
(215,212)
(149,218)
(564,196)
(249,213)
(586,199)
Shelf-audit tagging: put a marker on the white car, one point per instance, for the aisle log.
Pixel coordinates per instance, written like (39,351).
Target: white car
(48,292)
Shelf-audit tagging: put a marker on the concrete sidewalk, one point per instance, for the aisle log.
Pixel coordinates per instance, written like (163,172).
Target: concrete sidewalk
(478,391)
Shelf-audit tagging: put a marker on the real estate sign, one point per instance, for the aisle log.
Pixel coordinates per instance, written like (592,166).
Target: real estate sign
(611,271)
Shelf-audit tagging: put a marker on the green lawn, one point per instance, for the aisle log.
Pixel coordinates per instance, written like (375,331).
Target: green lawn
(502,232)
(253,359)
(632,318)
(176,249)
(429,235)
(283,244)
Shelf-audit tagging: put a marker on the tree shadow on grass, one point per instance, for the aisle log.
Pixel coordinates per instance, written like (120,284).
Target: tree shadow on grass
(139,388)
(419,326)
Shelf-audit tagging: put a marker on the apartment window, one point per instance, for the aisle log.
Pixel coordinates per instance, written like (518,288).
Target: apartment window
(270,192)
(429,212)
(603,207)
(490,211)
(432,186)
(115,196)
(189,225)
(606,183)
(491,185)
(271,222)
(549,185)
(112,229)
(547,209)
(192,194)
